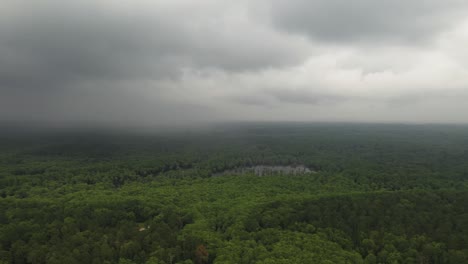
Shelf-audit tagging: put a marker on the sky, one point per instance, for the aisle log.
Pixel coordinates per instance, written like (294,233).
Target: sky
(188,61)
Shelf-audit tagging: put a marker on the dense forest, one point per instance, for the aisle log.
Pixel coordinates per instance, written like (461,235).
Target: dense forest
(376,194)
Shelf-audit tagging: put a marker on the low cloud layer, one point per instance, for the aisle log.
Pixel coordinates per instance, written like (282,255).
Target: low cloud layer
(379,22)
(162,62)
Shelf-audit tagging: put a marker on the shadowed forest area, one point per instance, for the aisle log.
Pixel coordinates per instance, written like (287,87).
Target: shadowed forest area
(374,194)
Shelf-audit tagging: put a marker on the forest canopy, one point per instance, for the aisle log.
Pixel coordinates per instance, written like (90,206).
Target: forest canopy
(374,194)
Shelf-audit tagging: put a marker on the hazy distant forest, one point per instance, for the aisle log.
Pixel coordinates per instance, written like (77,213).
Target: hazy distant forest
(375,194)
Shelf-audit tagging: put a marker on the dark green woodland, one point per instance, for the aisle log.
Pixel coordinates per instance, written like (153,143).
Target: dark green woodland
(374,194)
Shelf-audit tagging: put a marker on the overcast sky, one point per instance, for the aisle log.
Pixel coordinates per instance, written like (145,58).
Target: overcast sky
(159,62)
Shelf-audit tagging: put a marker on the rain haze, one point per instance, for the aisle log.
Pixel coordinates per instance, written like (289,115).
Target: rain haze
(181,61)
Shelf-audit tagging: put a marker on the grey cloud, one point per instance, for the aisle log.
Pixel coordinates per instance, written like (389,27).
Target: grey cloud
(305,97)
(190,60)
(58,44)
(52,44)
(273,97)
(250,100)
(342,21)
(414,98)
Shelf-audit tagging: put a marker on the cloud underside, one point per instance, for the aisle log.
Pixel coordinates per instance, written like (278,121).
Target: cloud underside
(378,22)
(180,61)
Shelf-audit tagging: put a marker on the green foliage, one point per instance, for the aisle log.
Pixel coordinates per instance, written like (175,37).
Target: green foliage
(380,194)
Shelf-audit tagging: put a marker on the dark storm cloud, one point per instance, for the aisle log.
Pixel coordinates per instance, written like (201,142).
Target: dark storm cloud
(344,21)
(52,44)
(49,45)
